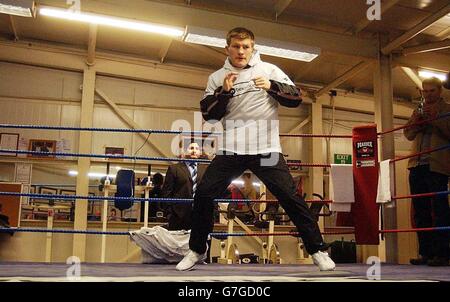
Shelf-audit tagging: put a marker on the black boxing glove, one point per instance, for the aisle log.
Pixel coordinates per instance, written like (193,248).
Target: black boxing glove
(214,106)
(287,95)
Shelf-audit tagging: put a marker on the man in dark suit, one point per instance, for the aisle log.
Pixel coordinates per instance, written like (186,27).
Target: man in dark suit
(181,182)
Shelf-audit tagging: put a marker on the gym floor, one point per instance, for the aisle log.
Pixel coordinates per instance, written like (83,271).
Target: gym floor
(122,272)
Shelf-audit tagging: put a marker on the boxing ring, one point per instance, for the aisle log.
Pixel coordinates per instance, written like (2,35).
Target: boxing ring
(270,271)
(135,272)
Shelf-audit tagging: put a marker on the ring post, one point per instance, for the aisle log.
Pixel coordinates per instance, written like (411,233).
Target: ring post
(365,175)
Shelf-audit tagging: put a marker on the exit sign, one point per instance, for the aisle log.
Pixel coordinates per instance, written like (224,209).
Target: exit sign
(343,159)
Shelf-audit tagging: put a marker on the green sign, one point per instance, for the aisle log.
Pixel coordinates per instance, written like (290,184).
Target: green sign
(343,159)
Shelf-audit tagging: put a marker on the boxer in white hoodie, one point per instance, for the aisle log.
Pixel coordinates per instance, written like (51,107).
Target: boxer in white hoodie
(245,95)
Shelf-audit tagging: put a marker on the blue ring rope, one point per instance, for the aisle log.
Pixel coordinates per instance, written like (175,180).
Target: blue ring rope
(91,232)
(94,129)
(46,154)
(34,230)
(137,199)
(112,198)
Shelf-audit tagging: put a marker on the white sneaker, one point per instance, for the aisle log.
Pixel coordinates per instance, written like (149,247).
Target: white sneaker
(323,261)
(190,260)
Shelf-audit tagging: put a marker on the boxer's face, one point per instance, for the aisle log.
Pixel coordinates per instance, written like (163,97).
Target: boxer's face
(240,51)
(431,93)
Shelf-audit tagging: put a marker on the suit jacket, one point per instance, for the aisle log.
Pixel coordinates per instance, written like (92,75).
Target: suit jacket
(178,184)
(440,136)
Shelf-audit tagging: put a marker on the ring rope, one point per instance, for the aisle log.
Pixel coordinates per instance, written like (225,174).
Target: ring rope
(431,194)
(141,199)
(66,154)
(415,124)
(150,131)
(420,153)
(315,135)
(312,165)
(202,133)
(214,234)
(36,230)
(224,234)
(93,129)
(447,228)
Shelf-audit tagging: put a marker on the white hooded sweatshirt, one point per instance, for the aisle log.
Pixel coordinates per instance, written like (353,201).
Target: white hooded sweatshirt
(251,124)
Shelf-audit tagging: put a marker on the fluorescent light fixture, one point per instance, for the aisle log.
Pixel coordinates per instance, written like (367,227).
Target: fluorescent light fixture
(23,8)
(268,47)
(73,173)
(112,21)
(426,74)
(209,37)
(287,50)
(92,174)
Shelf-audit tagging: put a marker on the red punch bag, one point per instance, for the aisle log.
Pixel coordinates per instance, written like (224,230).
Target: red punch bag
(365,177)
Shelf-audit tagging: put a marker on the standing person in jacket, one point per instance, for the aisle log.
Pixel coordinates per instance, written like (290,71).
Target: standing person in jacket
(181,182)
(245,95)
(429,173)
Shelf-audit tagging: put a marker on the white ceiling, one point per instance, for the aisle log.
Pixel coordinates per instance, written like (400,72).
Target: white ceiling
(325,17)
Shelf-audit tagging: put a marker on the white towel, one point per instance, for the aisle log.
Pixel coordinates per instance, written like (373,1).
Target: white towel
(384,182)
(160,245)
(341,188)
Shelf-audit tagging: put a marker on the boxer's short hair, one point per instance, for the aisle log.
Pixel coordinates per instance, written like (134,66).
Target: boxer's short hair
(240,33)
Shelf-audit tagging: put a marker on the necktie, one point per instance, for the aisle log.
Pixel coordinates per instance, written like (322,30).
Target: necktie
(194,177)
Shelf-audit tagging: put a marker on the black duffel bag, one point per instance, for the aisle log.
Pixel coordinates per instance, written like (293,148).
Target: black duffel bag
(343,251)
